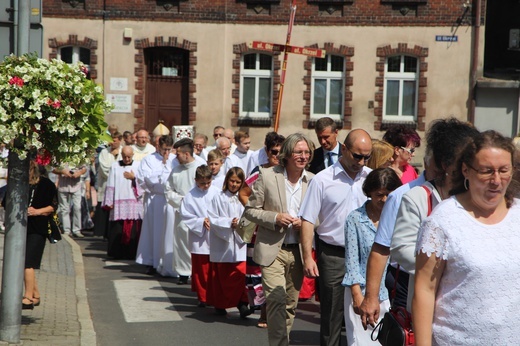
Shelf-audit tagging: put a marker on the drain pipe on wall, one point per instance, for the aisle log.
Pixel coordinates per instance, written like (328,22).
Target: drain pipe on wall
(477,5)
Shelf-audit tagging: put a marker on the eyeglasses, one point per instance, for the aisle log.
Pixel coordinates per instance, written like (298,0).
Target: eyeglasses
(408,150)
(359,157)
(274,152)
(302,153)
(489,173)
(215,135)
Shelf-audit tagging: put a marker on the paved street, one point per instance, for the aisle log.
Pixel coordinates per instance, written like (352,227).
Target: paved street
(131,308)
(88,300)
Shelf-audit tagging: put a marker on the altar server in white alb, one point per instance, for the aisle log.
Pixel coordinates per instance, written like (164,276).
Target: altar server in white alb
(227,269)
(194,212)
(179,183)
(242,152)
(153,172)
(123,196)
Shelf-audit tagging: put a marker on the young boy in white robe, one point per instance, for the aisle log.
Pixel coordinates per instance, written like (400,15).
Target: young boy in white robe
(215,163)
(194,213)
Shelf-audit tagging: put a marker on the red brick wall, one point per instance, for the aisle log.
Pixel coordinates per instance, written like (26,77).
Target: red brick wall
(356,12)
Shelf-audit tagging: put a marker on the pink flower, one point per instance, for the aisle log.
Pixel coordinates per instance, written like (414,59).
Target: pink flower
(84,69)
(54,104)
(43,157)
(16,81)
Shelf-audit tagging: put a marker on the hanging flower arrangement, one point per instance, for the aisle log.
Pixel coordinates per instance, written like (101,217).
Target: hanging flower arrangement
(52,108)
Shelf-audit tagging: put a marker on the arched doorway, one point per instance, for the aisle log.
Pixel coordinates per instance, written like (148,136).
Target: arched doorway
(166,86)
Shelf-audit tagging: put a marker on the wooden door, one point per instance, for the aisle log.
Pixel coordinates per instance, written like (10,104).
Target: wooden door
(166,89)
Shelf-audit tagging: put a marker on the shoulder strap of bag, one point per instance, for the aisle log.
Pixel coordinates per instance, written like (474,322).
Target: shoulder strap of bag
(429,196)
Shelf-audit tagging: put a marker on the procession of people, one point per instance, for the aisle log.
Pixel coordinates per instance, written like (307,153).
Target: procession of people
(340,220)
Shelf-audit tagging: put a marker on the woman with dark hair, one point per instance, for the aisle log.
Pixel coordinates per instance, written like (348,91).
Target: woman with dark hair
(360,230)
(445,140)
(466,285)
(404,140)
(42,203)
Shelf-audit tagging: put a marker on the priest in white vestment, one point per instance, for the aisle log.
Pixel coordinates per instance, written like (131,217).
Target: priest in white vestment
(230,161)
(106,158)
(180,182)
(123,196)
(142,146)
(152,173)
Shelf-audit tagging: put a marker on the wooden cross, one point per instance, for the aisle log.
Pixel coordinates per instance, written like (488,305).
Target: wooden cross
(286,48)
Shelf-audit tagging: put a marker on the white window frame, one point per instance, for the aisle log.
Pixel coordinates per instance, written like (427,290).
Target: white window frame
(328,75)
(75,54)
(257,74)
(401,77)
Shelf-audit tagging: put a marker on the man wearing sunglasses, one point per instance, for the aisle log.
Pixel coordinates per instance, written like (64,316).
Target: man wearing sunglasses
(330,150)
(332,195)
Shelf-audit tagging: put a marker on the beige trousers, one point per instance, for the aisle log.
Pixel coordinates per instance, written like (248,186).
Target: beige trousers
(282,281)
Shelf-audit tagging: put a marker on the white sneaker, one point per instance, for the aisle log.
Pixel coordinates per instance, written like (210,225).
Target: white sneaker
(78,235)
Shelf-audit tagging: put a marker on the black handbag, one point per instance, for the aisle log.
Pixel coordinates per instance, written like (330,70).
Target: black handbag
(395,329)
(54,229)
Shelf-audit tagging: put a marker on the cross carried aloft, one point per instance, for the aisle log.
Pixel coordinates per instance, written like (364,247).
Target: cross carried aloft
(286,48)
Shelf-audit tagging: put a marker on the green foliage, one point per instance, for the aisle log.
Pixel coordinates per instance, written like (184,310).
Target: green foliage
(51,107)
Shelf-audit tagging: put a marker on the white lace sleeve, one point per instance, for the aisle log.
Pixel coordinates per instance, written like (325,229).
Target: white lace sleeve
(431,239)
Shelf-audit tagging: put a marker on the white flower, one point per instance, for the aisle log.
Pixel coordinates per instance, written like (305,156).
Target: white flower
(18,102)
(37,127)
(36,93)
(70,110)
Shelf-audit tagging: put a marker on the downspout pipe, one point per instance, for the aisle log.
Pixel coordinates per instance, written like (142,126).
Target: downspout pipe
(477,5)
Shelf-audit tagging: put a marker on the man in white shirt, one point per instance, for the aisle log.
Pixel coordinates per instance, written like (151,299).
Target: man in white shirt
(332,195)
(69,190)
(242,152)
(142,147)
(274,206)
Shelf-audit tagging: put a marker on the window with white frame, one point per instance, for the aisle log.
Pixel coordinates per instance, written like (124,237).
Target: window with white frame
(327,87)
(401,88)
(256,80)
(74,54)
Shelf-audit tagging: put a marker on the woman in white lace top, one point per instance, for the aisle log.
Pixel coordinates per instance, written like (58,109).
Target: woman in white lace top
(467,284)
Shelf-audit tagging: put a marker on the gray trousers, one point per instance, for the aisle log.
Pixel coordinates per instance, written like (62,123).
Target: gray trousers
(64,201)
(331,265)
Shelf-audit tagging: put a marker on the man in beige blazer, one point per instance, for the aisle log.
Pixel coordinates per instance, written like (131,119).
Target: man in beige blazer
(273,206)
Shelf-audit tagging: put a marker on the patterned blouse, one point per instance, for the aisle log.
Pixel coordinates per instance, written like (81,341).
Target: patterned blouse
(359,237)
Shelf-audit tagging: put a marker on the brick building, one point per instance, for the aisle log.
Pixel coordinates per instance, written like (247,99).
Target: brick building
(190,62)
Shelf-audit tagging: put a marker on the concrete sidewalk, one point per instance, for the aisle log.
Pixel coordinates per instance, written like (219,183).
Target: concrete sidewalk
(63,317)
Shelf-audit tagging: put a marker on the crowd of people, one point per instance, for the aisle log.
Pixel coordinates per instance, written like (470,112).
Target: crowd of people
(255,229)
